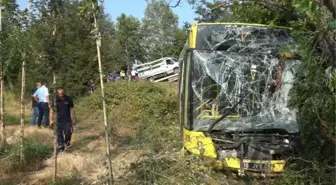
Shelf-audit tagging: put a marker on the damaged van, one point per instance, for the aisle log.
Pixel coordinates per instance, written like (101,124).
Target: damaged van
(234,86)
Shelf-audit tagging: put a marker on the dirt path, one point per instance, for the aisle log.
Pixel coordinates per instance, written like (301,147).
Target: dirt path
(85,160)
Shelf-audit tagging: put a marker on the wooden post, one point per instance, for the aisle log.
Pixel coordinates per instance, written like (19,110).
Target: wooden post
(107,140)
(23,88)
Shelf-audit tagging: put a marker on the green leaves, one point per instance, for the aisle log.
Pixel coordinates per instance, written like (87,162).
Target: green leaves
(158,26)
(87,8)
(331,24)
(309,7)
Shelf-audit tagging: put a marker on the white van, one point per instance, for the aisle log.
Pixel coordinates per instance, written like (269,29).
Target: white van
(158,68)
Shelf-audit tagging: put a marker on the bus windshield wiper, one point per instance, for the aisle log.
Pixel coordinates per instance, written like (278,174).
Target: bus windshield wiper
(212,125)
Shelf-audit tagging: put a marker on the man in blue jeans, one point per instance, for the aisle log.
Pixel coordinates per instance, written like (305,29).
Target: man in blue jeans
(42,97)
(35,106)
(66,119)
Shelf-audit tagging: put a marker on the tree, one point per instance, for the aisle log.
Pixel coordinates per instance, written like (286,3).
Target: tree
(129,37)
(90,7)
(8,54)
(179,40)
(3,133)
(158,27)
(213,12)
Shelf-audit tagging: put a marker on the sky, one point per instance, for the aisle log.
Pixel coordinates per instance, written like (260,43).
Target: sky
(137,9)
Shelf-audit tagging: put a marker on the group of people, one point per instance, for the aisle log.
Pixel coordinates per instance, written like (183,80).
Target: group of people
(131,74)
(42,111)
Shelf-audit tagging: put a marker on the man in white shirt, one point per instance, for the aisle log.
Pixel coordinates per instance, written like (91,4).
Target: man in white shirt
(133,73)
(42,97)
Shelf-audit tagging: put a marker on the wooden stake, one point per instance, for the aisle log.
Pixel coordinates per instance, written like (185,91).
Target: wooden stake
(23,88)
(107,140)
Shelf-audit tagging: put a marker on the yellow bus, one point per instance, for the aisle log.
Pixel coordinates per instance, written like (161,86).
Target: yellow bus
(233,88)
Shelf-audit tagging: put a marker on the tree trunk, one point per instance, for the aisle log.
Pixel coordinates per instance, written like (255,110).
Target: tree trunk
(2,106)
(54,99)
(55,130)
(23,88)
(2,102)
(107,140)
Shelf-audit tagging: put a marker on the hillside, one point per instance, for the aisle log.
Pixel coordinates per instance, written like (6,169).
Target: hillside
(143,120)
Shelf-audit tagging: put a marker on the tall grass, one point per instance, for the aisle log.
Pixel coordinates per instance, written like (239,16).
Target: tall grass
(141,114)
(34,151)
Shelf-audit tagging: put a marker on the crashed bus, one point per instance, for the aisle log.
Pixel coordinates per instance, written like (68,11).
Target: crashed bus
(234,88)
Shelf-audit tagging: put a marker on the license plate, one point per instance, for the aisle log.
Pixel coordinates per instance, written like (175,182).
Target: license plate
(257,166)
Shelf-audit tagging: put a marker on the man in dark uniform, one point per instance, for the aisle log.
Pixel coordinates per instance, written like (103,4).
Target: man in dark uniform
(66,119)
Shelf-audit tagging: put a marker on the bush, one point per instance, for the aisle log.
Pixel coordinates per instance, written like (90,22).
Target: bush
(34,154)
(73,178)
(139,113)
(168,168)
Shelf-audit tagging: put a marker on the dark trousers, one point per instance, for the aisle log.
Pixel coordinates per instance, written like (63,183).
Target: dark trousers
(64,132)
(43,112)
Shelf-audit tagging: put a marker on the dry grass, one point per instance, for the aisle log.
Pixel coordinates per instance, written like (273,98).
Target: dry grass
(12,104)
(90,167)
(34,133)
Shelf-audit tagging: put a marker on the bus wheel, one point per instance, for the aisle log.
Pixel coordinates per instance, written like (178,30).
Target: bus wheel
(176,70)
(151,79)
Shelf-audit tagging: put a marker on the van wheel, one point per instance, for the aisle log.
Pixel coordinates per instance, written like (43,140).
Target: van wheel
(176,70)
(151,79)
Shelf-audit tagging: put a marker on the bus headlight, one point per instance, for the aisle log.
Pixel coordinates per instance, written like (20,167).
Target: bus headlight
(222,154)
(200,147)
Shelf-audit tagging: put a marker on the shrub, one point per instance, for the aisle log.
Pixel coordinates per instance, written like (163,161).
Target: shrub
(72,178)
(140,113)
(34,154)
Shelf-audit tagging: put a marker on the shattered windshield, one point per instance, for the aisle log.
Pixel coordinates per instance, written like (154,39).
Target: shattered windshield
(220,78)
(238,38)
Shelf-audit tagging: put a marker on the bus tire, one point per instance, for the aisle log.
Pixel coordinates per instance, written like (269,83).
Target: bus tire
(151,79)
(176,70)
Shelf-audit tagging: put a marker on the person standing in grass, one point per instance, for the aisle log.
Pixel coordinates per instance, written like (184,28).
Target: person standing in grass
(133,73)
(129,74)
(122,74)
(35,106)
(66,119)
(42,97)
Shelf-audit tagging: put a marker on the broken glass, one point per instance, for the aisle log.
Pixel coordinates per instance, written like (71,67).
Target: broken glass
(230,65)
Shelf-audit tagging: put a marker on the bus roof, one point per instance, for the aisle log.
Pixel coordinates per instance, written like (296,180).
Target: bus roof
(242,24)
(193,30)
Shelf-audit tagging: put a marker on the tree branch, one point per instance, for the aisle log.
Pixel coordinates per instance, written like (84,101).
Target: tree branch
(176,5)
(331,5)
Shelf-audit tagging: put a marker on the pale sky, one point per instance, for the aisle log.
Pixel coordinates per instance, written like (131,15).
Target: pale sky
(137,9)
